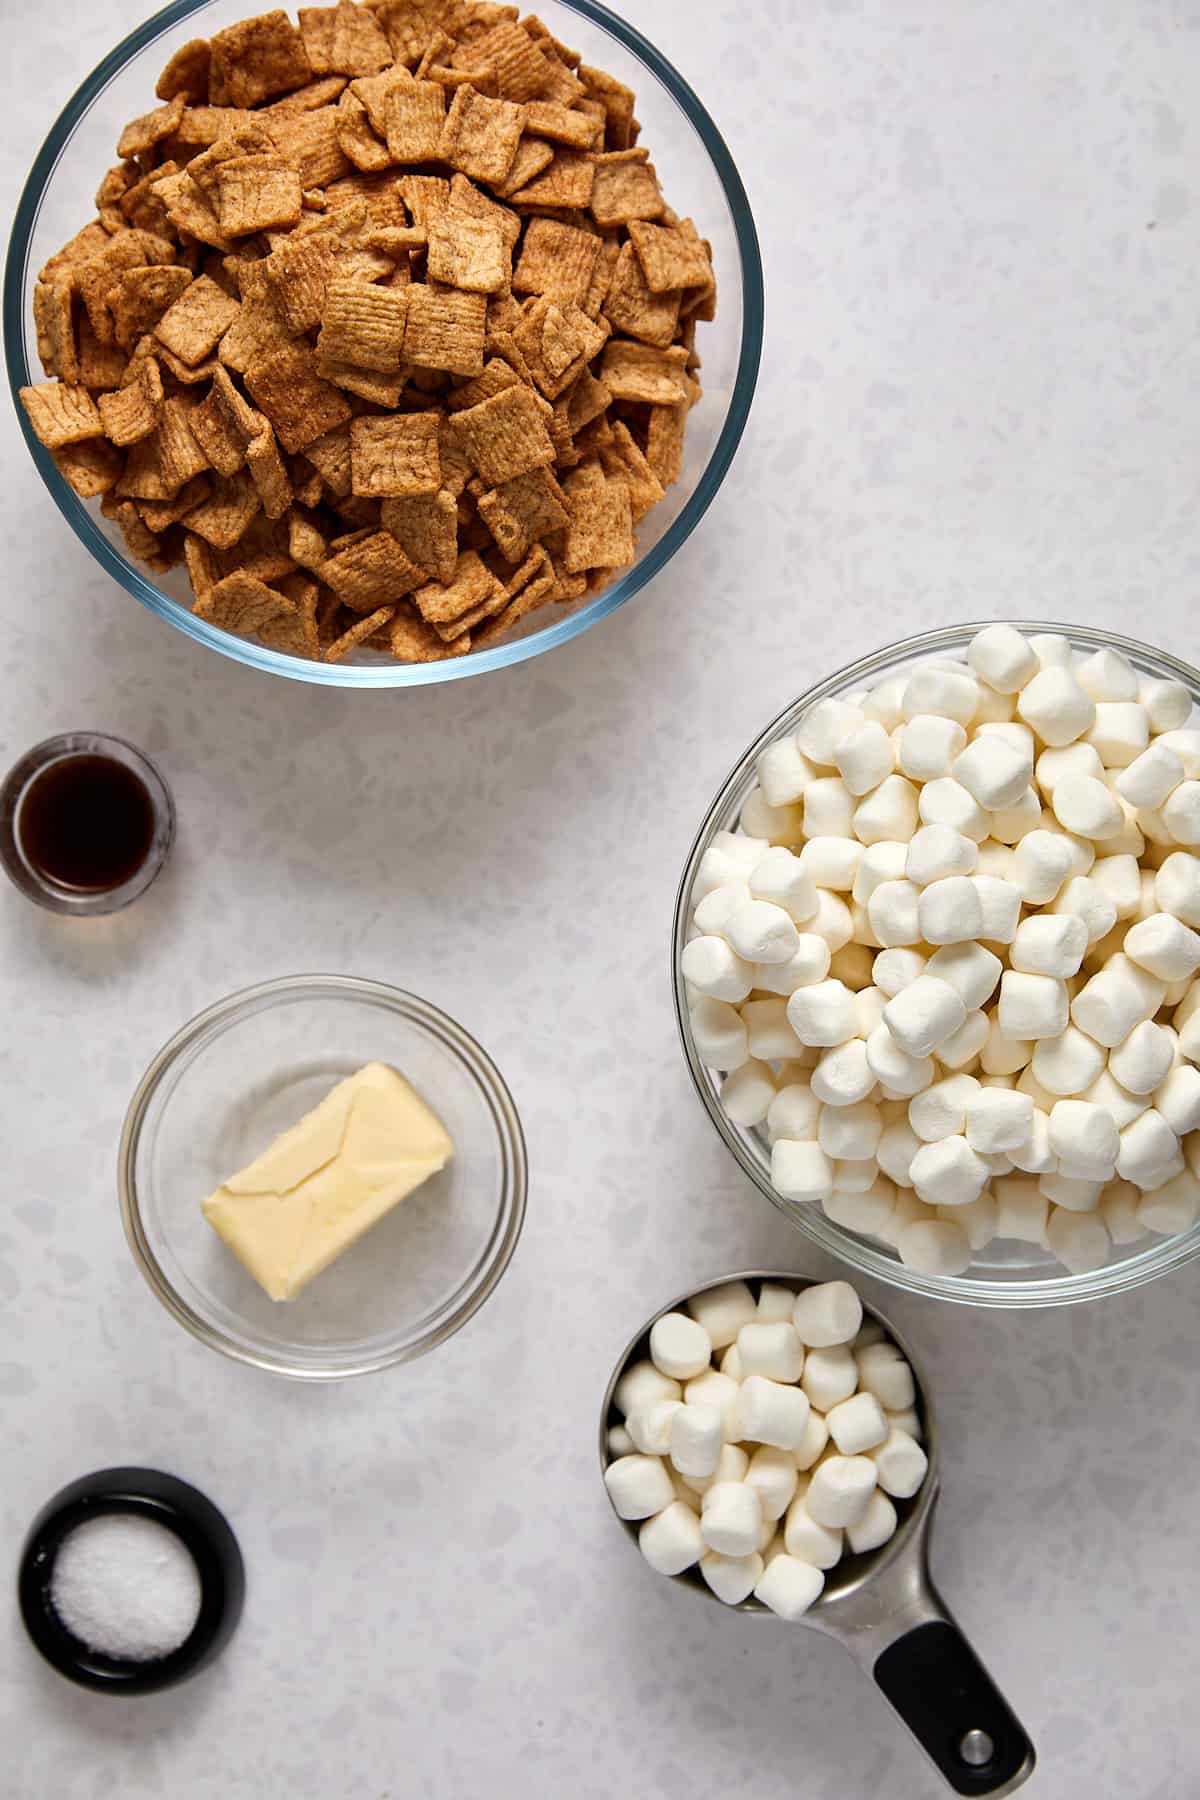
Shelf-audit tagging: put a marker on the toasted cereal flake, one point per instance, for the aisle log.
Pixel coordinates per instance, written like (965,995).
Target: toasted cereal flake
(634,309)
(445,330)
(363,325)
(644,373)
(82,248)
(195,323)
(626,461)
(411,640)
(53,318)
(310,142)
(600,528)
(664,441)
(370,572)
(60,414)
(140,541)
(268,473)
(562,124)
(556,260)
(330,455)
(395,456)
(533,155)
(256,59)
(203,125)
(586,401)
(100,365)
(295,633)
(296,277)
(523,510)
(497,375)
(480,136)
(132,412)
(187,73)
(425,196)
(671,256)
(618,103)
(189,211)
(505,436)
(306,545)
(261,550)
(532,585)
(256,332)
(520,67)
(201,561)
(467,252)
(566,181)
(92,467)
(375,93)
(95,278)
(240,603)
(343,40)
(222,519)
(426,528)
(466,197)
(142,134)
(557,343)
(300,404)
(158,514)
(356,138)
(255,193)
(310,98)
(369,384)
(142,206)
(341,647)
(414,117)
(459,601)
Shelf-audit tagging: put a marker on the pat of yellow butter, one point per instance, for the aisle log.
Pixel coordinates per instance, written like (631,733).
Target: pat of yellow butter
(327,1180)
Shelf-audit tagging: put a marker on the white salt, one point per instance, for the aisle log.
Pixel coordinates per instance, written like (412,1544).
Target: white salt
(126,1587)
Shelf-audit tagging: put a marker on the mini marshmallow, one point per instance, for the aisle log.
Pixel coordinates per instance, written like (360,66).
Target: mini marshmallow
(1169,950)
(1107,675)
(783,772)
(1069,1063)
(650,1431)
(1168,704)
(1119,1209)
(994,771)
(638,1486)
(887,814)
(722,1311)
(927,746)
(1150,777)
(1178,1100)
(679,1346)
(936,852)
(864,756)
(875,1528)
(769,1037)
(1083,1134)
(731,1578)
(900,1465)
(793,1113)
(850,1132)
(823,1015)
(896,969)
(729,858)
(826,1314)
(884,1372)
(893,911)
(1074,1193)
(1021,1209)
(718,1033)
(1177,887)
(1145,1058)
(671,1541)
(1119,733)
(883,861)
(1120,879)
(1148,1146)
(731,1519)
(731,1466)
(1004,1055)
(717,908)
(777,824)
(715,970)
(998,1119)
(643,1386)
(951,694)
(768,1412)
(761,933)
(924,1014)
(840,1490)
(712,1387)
(882,702)
(857,1424)
(823,725)
(852,1175)
(747,1092)
(1000,904)
(1079,1240)
(1084,899)
(888,1063)
(780,878)
(697,1433)
(1086,807)
(1057,708)
(1116,999)
(812,1444)
(820,1546)
(800,1171)
(1121,1106)
(843,1077)
(773,1476)
(1010,824)
(828,808)
(1041,862)
(935,1247)
(948,1173)
(1052,650)
(808,964)
(775,1302)
(907,1211)
(1000,656)
(771,1348)
(897,1146)
(789,1587)
(947,802)
(831,862)
(963,1046)
(1171,1208)
(1032,1006)
(619,1441)
(868,1211)
(1053,766)
(1186,745)
(830,1375)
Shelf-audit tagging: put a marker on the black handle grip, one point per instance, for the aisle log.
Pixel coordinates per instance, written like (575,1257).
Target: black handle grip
(949,1702)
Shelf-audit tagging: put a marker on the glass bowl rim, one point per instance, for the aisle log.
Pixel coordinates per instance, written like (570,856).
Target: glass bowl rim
(86,528)
(1131,1272)
(510,1216)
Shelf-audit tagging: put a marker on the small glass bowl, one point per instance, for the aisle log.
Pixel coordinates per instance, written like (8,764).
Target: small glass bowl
(242,1072)
(698,176)
(1005,1273)
(80,903)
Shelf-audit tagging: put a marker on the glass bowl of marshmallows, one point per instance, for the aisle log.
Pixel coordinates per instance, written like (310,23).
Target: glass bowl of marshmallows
(937,963)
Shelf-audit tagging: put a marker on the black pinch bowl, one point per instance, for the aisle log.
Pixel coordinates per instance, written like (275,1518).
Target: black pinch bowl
(167,1501)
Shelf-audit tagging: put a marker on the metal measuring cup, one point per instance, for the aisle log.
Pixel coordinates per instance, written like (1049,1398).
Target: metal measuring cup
(883,1608)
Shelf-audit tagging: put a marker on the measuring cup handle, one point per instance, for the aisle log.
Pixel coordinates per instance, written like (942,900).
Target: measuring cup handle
(953,1708)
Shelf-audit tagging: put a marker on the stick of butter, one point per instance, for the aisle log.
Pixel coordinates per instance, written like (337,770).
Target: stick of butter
(325,1182)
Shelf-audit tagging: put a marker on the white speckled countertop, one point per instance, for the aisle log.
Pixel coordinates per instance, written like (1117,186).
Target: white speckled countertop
(979,397)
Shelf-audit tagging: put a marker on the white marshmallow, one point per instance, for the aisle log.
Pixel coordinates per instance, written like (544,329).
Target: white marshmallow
(1049,944)
(823,1015)
(852,1175)
(1011,823)
(888,1063)
(731,1466)
(1084,899)
(868,1211)
(761,933)
(643,1386)
(1052,650)
(1171,1208)
(884,1372)
(747,1092)
(924,1014)
(840,1490)
(715,970)
(775,1302)
(994,771)
(1002,658)
(718,1033)
(1178,1100)
(731,1518)
(897,1146)
(717,908)
(671,1541)
(843,1077)
(1148,1146)
(800,1171)
(769,1037)
(998,1119)
(1186,745)
(819,1546)
(768,1412)
(697,1433)
(1077,759)
(850,1132)
(823,725)
(875,1528)
(638,1486)
(927,745)
(789,1587)
(679,1346)
(826,1314)
(882,702)
(883,861)
(731,1578)
(812,1444)
(1177,887)
(893,911)
(1119,1210)
(935,1247)
(808,964)
(887,814)
(1107,675)
(857,1424)
(1145,1058)
(1086,807)
(951,693)
(963,1046)
(723,1311)
(1069,1063)
(780,879)
(1079,1240)
(1083,1135)
(1041,862)
(895,969)
(948,1173)
(1002,1055)
(900,1465)
(830,1375)
(941,1110)
(1168,704)
(1032,1006)
(650,1431)
(1118,997)
(1121,1106)
(828,808)
(714,1388)
(1000,903)
(1021,1209)
(1169,950)
(619,1441)
(771,1348)
(783,772)
(1074,1192)
(950,911)
(947,802)
(1119,733)
(777,824)
(730,857)
(864,756)
(831,862)
(773,1476)
(1120,878)
(1150,777)
(793,1113)
(936,852)
(1058,709)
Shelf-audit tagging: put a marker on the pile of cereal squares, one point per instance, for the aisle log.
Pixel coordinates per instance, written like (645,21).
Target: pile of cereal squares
(384,329)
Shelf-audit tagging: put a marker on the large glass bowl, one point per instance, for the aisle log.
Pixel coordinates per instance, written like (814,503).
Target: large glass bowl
(248,1068)
(1005,1273)
(697,174)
